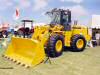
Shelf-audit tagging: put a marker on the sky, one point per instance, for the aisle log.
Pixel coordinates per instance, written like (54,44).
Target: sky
(82,10)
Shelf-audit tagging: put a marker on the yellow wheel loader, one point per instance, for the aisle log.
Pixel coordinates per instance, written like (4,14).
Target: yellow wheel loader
(48,40)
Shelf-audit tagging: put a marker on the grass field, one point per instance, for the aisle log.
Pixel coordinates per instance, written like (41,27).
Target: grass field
(70,63)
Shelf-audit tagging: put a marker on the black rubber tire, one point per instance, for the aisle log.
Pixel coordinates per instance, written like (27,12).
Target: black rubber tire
(75,38)
(51,50)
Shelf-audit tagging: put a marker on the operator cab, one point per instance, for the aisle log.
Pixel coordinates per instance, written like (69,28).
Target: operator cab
(62,17)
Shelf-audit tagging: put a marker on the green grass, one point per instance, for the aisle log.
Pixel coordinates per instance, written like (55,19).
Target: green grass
(70,63)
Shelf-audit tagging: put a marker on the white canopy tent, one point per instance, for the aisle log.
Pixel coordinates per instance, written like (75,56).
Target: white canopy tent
(96,28)
(95,21)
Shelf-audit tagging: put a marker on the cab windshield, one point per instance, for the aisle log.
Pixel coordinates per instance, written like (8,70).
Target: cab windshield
(54,18)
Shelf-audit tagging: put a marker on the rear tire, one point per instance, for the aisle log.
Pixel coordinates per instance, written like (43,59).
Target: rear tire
(52,50)
(78,47)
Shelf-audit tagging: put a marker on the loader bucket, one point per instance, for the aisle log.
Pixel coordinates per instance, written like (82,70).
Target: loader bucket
(25,51)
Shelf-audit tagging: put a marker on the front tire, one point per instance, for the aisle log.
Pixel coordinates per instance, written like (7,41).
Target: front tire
(55,45)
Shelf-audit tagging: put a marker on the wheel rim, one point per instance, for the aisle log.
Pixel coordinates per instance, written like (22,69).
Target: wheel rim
(80,43)
(58,46)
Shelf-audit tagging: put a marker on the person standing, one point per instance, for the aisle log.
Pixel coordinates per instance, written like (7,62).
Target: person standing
(97,38)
